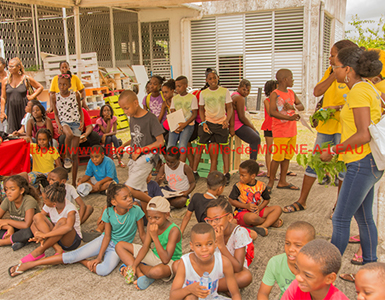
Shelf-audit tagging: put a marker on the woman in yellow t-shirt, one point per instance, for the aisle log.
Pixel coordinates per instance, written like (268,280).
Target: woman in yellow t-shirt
(330,131)
(76,86)
(363,105)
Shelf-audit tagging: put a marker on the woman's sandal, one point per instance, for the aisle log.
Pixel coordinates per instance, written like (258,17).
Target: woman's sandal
(278,223)
(17,272)
(357,260)
(290,173)
(292,208)
(348,277)
(355,239)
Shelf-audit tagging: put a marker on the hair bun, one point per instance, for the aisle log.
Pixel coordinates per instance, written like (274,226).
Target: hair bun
(369,64)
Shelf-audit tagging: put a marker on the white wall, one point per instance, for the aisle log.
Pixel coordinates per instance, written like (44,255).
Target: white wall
(174,16)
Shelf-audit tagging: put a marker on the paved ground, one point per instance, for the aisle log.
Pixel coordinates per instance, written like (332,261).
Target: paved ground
(75,281)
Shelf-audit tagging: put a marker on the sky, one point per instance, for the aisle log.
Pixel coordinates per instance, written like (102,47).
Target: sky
(365,9)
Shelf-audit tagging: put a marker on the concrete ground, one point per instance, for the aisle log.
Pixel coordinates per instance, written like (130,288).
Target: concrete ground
(76,282)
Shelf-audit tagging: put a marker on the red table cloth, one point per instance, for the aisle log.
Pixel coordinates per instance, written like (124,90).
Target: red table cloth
(14,157)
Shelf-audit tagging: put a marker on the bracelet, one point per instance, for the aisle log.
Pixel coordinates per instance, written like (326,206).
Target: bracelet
(204,122)
(332,152)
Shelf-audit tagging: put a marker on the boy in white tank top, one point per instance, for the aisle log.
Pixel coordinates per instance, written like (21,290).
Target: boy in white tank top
(203,259)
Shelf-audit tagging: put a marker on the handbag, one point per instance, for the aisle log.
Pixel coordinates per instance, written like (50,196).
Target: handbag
(29,87)
(377,142)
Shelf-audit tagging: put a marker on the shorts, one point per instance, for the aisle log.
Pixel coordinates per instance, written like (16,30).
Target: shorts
(239,217)
(218,135)
(138,171)
(33,176)
(152,260)
(283,148)
(74,127)
(75,244)
(267,133)
(195,132)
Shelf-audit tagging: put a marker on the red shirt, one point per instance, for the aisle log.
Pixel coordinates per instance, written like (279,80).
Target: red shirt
(268,120)
(87,119)
(284,128)
(294,293)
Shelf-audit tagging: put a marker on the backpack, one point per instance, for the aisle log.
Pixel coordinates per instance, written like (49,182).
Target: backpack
(149,97)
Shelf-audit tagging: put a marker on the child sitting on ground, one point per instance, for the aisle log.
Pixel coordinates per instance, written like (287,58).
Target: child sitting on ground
(21,202)
(106,126)
(99,174)
(179,176)
(122,220)
(189,105)
(60,175)
(281,268)
(250,197)
(146,134)
(61,231)
(318,263)
(370,281)
(151,264)
(215,110)
(232,241)
(215,184)
(203,260)
(283,104)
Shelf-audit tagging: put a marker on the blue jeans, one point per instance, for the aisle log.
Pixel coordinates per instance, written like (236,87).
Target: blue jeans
(183,138)
(110,260)
(333,139)
(356,199)
(248,135)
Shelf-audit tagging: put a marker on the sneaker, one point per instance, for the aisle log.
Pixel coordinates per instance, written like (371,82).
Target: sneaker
(196,176)
(326,180)
(227,176)
(84,189)
(67,163)
(18,245)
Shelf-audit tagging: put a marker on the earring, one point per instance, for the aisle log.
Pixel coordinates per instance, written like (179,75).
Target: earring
(347,79)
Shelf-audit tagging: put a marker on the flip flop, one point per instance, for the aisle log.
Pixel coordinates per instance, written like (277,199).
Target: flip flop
(144,282)
(349,277)
(261,174)
(290,173)
(29,258)
(355,260)
(279,223)
(289,187)
(354,240)
(260,230)
(292,208)
(17,272)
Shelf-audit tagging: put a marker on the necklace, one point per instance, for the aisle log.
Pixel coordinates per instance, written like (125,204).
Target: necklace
(211,195)
(127,213)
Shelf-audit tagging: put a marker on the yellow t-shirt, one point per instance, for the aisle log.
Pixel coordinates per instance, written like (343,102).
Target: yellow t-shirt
(381,86)
(382,59)
(332,97)
(76,84)
(362,94)
(43,162)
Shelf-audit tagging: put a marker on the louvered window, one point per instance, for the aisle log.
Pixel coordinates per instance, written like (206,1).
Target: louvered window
(326,43)
(339,32)
(252,46)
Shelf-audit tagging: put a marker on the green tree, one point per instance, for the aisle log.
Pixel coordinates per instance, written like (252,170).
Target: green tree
(365,36)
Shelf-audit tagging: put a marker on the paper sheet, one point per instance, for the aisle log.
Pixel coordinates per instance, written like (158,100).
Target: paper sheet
(169,194)
(174,119)
(304,122)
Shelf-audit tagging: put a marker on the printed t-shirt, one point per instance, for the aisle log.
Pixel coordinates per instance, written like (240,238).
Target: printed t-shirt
(55,216)
(187,103)
(277,270)
(105,169)
(247,193)
(198,203)
(215,104)
(155,105)
(18,214)
(123,227)
(76,84)
(71,193)
(284,128)
(43,162)
(67,108)
(163,239)
(334,96)
(144,130)
(295,293)
(238,239)
(362,94)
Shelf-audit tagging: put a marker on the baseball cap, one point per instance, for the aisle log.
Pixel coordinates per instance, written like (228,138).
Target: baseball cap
(210,70)
(160,204)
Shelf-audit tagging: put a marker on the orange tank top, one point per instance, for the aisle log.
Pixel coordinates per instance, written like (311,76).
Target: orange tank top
(284,128)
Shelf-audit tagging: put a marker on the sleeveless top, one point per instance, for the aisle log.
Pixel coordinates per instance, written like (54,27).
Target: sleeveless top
(163,239)
(237,123)
(15,105)
(67,108)
(177,179)
(191,275)
(284,128)
(267,124)
(36,128)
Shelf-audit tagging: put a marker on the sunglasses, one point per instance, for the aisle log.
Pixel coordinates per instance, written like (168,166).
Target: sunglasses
(64,76)
(215,220)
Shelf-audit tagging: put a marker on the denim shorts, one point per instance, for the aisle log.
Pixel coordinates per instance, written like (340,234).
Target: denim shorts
(74,127)
(333,139)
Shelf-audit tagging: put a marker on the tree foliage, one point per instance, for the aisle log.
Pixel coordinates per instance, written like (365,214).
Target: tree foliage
(365,34)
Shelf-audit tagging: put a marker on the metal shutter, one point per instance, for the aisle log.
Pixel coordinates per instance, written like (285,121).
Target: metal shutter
(326,42)
(339,33)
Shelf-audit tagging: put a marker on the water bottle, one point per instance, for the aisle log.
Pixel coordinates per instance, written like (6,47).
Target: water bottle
(205,281)
(149,157)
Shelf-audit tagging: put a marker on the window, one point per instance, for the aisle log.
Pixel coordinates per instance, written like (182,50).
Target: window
(326,43)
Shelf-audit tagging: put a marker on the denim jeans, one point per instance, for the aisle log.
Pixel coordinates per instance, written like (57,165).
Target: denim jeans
(183,138)
(356,199)
(110,260)
(333,139)
(248,135)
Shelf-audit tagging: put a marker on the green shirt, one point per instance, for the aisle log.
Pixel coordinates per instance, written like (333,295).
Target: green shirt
(278,270)
(187,103)
(163,239)
(18,214)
